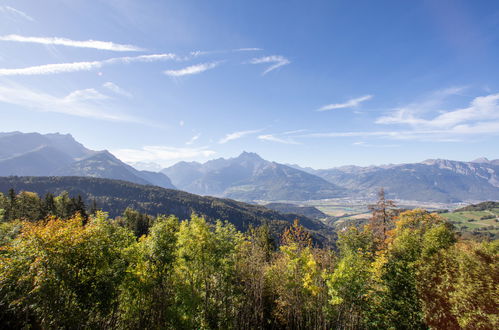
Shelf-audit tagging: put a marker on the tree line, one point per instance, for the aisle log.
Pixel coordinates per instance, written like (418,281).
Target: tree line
(63,266)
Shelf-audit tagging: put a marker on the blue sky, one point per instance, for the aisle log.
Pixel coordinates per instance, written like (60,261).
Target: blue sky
(317,83)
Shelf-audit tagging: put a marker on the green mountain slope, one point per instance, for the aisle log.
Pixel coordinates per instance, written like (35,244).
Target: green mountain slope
(115,196)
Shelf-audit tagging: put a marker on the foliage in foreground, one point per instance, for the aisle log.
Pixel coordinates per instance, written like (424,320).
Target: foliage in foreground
(408,272)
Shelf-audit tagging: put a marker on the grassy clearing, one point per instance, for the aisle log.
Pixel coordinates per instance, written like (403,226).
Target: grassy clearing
(474,220)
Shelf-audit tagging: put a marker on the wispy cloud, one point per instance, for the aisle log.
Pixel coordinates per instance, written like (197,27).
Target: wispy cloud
(482,108)
(284,137)
(163,155)
(370,145)
(83,66)
(238,135)
(197,53)
(116,89)
(348,104)
(276,60)
(193,139)
(193,69)
(16,12)
(82,103)
(95,44)
(274,138)
(411,113)
(52,69)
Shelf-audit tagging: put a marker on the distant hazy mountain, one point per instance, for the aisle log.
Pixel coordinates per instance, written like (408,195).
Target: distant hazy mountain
(14,144)
(249,177)
(103,164)
(436,180)
(35,154)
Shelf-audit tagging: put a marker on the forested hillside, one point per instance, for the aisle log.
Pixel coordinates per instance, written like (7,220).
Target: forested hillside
(115,197)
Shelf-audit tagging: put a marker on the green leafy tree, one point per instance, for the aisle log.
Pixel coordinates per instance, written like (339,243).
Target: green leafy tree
(350,283)
(49,205)
(459,286)
(60,273)
(254,258)
(297,282)
(137,222)
(417,235)
(28,206)
(205,273)
(148,295)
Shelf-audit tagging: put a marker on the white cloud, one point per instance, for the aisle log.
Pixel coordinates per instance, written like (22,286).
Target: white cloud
(82,103)
(453,134)
(237,135)
(425,121)
(369,145)
(144,58)
(16,12)
(193,139)
(88,94)
(181,123)
(95,44)
(193,69)
(273,138)
(350,134)
(163,155)
(277,61)
(480,109)
(197,53)
(116,89)
(83,66)
(52,69)
(348,104)
(411,113)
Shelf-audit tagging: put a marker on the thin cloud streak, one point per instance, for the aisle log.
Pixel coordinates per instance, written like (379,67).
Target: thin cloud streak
(273,138)
(87,103)
(193,139)
(52,69)
(277,60)
(193,69)
(369,145)
(197,53)
(238,135)
(453,134)
(94,44)
(349,104)
(16,12)
(83,66)
(480,108)
(116,89)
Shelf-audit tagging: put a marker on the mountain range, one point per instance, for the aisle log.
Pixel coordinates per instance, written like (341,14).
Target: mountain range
(250,178)
(433,180)
(57,154)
